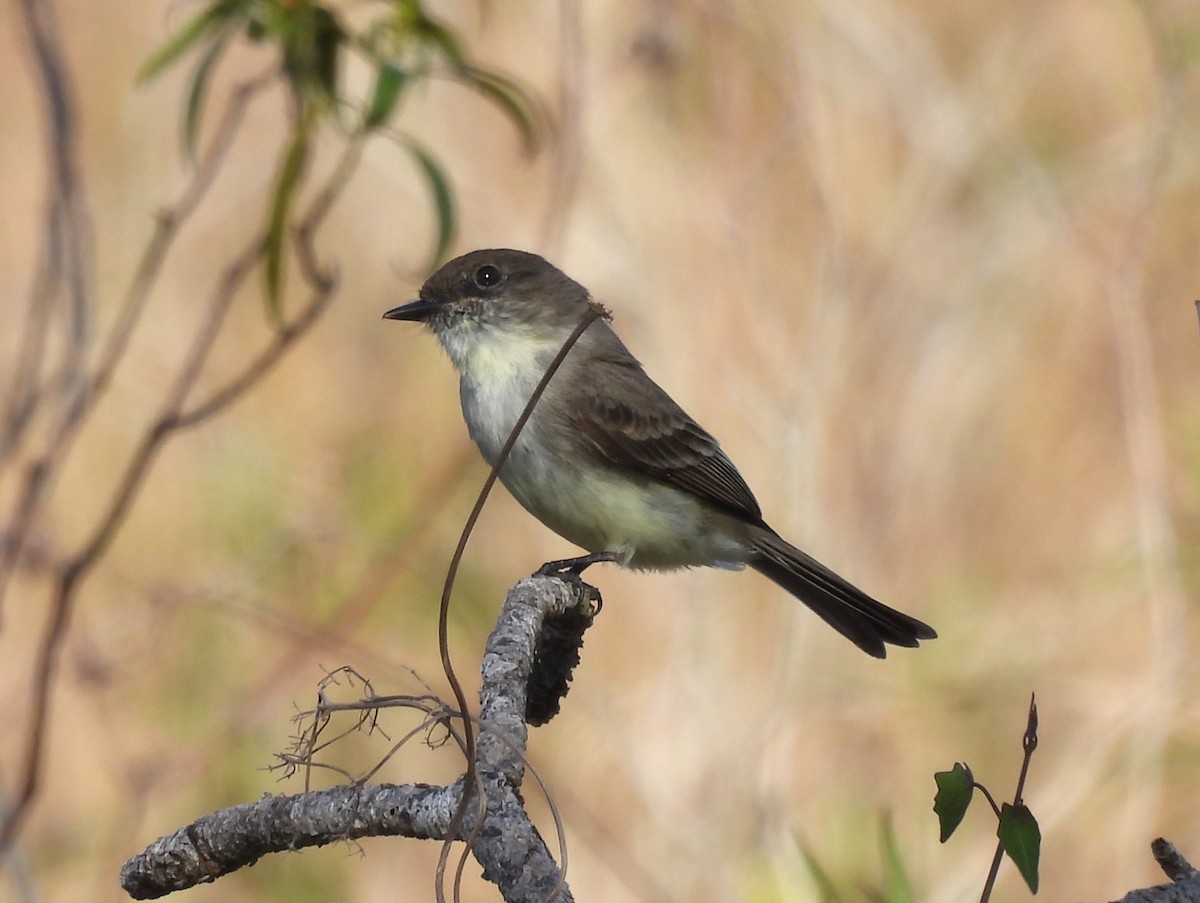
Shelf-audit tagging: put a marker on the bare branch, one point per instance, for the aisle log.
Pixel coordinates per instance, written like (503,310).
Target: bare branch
(322,281)
(1185,880)
(1172,862)
(508,846)
(170,419)
(170,221)
(217,844)
(39,476)
(69,579)
(66,251)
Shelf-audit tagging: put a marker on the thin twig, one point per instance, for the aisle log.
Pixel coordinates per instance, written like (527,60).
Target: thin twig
(69,579)
(997,858)
(1029,743)
(64,257)
(169,223)
(593,312)
(567,159)
(168,421)
(322,280)
(339,624)
(40,474)
(436,712)
(68,216)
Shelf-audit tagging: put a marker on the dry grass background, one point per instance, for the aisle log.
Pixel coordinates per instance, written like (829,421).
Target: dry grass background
(927,269)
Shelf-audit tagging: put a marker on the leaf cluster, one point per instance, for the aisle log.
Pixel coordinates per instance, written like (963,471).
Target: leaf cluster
(310,41)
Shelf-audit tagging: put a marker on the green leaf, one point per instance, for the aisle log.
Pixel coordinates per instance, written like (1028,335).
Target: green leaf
(440,36)
(513,100)
(256,30)
(328,36)
(1022,841)
(216,15)
(899,888)
(388,83)
(311,39)
(281,203)
(955,788)
(443,199)
(198,91)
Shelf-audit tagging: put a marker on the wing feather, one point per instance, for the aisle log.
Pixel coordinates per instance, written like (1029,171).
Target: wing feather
(634,423)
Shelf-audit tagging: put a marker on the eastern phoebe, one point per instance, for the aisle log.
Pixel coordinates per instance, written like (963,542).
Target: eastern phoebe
(607,459)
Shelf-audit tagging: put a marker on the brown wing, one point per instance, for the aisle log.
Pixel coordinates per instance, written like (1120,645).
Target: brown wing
(635,423)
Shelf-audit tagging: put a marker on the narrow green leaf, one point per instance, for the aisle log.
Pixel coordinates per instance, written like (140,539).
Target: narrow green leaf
(513,100)
(198,92)
(215,15)
(328,37)
(899,887)
(443,198)
(1022,840)
(388,83)
(955,788)
(281,203)
(442,37)
(310,38)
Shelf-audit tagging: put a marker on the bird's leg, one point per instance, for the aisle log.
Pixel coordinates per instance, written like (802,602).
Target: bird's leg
(573,567)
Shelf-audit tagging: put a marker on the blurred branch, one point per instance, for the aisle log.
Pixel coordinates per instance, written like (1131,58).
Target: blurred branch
(70,575)
(40,474)
(309,40)
(63,262)
(66,247)
(169,420)
(169,223)
(569,156)
(320,279)
(523,672)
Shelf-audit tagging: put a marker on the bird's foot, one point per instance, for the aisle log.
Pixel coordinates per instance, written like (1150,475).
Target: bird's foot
(573,567)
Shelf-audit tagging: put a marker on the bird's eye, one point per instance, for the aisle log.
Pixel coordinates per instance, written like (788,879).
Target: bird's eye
(487,276)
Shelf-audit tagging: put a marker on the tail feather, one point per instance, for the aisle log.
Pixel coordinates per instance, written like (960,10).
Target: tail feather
(867,623)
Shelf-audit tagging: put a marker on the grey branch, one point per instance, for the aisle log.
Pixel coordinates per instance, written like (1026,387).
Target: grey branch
(507,845)
(1185,880)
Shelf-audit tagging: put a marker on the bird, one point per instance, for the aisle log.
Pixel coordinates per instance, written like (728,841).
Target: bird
(608,460)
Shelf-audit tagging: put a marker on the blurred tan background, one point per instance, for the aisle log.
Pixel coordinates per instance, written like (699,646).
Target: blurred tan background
(926,269)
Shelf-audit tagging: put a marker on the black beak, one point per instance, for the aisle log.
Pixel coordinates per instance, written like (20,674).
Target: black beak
(414,310)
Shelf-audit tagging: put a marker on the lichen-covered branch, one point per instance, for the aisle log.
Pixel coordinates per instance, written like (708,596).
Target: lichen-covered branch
(1185,880)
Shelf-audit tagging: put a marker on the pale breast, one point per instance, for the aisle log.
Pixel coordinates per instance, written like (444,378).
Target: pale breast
(496,382)
(564,480)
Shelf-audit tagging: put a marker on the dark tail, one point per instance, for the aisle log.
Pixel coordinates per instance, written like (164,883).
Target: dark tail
(866,623)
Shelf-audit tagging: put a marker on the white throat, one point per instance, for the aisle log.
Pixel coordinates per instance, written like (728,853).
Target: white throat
(498,370)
